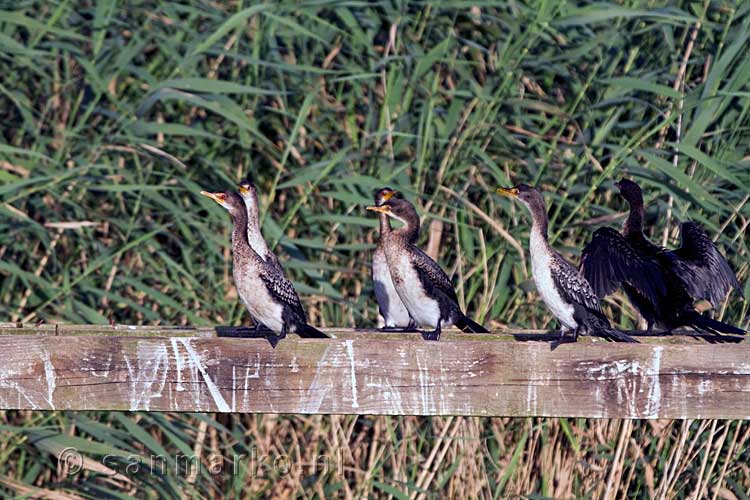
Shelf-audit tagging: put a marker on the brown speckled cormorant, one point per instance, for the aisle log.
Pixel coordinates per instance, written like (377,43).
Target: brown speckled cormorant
(265,290)
(423,286)
(563,289)
(661,284)
(392,309)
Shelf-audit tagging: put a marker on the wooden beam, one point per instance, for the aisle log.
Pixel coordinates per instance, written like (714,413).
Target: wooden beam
(204,369)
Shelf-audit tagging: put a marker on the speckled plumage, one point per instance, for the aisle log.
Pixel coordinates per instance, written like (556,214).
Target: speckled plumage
(390,305)
(263,287)
(563,289)
(421,283)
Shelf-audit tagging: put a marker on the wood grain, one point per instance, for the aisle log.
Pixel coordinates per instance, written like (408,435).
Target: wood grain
(187,369)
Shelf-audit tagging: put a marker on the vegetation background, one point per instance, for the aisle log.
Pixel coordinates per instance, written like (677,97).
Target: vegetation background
(114,115)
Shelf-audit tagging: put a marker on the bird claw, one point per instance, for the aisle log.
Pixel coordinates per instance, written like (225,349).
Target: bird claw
(434,335)
(274,339)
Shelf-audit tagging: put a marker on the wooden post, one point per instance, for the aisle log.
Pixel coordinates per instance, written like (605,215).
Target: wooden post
(85,367)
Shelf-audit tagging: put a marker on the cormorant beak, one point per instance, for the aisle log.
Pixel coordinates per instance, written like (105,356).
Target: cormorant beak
(383,209)
(244,187)
(219,198)
(509,192)
(389,194)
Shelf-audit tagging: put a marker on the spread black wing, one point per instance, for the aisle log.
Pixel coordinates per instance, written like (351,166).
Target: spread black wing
(701,268)
(572,285)
(281,289)
(609,260)
(431,274)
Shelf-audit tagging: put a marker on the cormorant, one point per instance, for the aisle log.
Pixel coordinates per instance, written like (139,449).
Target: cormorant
(423,286)
(264,289)
(249,194)
(563,289)
(661,284)
(392,309)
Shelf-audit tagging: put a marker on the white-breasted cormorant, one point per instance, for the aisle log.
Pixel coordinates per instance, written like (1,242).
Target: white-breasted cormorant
(392,309)
(423,286)
(661,284)
(249,194)
(265,290)
(562,287)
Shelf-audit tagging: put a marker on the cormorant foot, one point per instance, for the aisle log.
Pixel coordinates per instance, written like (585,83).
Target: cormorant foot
(405,329)
(273,339)
(433,335)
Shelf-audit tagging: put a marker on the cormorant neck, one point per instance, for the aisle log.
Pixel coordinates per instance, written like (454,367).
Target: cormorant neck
(254,235)
(410,230)
(385,225)
(539,220)
(634,223)
(239,231)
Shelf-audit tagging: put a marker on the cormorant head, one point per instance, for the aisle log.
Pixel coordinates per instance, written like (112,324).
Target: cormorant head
(383,195)
(227,199)
(529,196)
(247,189)
(524,193)
(399,209)
(630,191)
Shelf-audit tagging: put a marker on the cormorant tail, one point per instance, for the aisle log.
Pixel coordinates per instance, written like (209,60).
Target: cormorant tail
(468,326)
(697,320)
(615,335)
(306,331)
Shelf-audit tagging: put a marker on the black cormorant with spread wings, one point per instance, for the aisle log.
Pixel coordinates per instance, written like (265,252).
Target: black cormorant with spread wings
(661,284)
(562,287)
(423,286)
(263,287)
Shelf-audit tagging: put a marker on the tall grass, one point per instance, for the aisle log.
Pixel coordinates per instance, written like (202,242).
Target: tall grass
(114,117)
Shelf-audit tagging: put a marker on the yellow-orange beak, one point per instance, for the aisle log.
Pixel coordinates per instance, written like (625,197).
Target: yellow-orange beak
(388,195)
(509,192)
(243,189)
(383,209)
(219,198)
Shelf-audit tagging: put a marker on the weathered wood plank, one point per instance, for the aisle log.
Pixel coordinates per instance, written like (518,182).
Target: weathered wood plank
(679,337)
(367,373)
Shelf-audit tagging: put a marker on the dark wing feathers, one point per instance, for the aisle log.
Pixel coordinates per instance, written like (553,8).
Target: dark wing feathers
(431,274)
(701,268)
(609,260)
(572,285)
(282,289)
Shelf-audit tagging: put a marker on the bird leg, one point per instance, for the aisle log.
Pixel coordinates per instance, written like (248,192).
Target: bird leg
(274,339)
(411,327)
(433,335)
